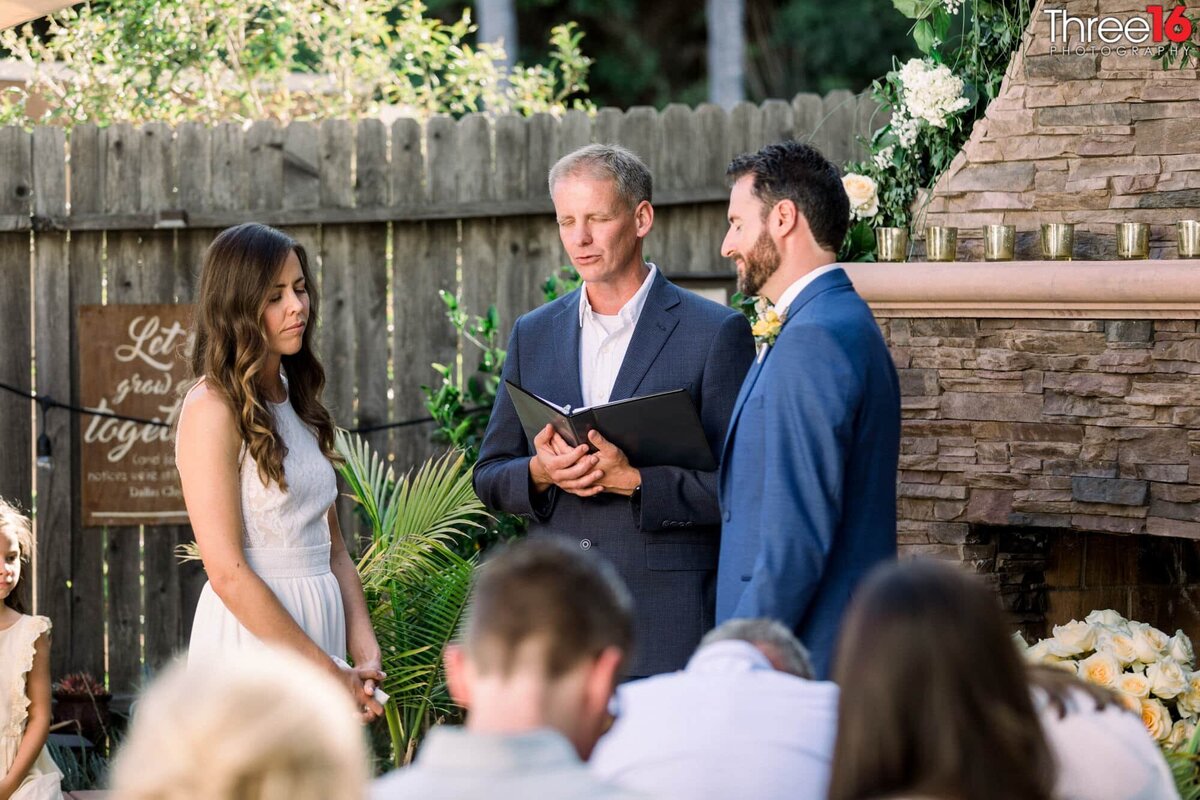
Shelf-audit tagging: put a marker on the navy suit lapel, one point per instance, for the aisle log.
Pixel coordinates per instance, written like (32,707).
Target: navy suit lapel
(569,390)
(654,327)
(831,280)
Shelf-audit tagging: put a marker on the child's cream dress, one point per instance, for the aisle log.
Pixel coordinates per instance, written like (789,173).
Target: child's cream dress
(16,659)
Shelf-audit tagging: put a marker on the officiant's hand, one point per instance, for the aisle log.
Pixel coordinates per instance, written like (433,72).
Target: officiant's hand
(556,463)
(617,475)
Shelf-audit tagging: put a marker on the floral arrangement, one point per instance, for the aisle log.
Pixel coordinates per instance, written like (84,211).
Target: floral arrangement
(931,102)
(1151,673)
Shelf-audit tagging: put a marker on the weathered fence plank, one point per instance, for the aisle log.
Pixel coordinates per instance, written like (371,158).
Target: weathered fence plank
(163,609)
(16,199)
(88,600)
(127,283)
(52,343)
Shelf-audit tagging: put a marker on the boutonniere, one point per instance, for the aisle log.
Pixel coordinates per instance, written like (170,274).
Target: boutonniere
(766,328)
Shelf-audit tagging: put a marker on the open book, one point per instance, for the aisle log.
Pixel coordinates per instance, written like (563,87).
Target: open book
(654,430)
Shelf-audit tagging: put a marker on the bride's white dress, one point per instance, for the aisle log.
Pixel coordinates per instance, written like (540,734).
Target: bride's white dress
(286,540)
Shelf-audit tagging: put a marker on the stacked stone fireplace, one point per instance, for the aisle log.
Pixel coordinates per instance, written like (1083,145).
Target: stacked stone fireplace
(1060,456)
(1051,411)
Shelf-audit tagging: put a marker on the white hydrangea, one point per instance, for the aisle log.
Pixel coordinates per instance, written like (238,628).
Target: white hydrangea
(905,127)
(952,6)
(883,159)
(931,91)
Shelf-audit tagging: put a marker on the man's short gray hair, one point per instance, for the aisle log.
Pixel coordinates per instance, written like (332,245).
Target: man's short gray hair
(778,643)
(608,161)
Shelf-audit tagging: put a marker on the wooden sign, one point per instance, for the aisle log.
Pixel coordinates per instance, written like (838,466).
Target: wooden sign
(131,363)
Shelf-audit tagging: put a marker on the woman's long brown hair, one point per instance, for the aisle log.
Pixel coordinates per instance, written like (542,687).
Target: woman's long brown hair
(934,696)
(230,343)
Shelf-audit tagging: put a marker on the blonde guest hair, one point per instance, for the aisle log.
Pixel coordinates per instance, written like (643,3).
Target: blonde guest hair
(263,726)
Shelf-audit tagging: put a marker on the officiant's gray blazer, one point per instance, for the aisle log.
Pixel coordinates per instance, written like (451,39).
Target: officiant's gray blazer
(666,545)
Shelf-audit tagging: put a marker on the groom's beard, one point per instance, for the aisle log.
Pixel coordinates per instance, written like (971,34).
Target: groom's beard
(758,265)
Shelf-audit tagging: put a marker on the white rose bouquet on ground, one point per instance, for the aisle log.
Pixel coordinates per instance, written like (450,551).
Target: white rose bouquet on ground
(1151,673)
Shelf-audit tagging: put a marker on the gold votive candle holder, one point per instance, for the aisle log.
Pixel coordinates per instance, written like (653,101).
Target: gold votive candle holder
(1133,240)
(1189,238)
(999,242)
(891,244)
(941,243)
(1058,241)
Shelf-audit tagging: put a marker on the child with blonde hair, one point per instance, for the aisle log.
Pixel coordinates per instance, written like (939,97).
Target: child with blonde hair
(28,771)
(266,725)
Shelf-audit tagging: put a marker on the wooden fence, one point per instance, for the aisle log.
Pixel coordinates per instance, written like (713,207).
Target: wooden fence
(389,214)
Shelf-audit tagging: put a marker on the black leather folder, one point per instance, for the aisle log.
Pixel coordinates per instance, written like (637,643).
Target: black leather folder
(654,430)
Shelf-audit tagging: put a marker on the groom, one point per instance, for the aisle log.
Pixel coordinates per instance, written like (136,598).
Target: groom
(807,482)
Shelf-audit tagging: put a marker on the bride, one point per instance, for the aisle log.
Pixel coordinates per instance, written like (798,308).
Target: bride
(254,450)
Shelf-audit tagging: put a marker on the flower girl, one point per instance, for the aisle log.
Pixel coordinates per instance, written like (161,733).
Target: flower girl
(27,769)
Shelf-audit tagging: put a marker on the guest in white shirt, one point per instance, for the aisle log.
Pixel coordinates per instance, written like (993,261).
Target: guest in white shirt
(744,719)
(1102,750)
(546,635)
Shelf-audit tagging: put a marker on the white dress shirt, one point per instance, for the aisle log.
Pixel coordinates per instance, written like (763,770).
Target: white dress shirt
(792,292)
(727,726)
(457,764)
(603,341)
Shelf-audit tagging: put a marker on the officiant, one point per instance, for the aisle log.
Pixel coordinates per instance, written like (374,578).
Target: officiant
(626,332)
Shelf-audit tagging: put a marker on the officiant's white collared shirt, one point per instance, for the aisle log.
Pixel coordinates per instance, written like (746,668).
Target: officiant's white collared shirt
(727,726)
(604,340)
(793,291)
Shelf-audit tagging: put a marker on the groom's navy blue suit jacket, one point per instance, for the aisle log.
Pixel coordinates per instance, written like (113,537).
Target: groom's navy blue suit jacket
(665,547)
(808,472)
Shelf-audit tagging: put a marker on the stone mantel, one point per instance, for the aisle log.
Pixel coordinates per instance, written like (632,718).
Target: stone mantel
(1148,289)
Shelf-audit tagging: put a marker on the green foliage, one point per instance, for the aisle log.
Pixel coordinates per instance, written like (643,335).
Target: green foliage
(461,405)
(216,61)
(1185,54)
(415,583)
(81,769)
(1185,768)
(565,281)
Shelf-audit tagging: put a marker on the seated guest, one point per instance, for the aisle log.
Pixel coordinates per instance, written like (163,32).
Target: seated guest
(268,725)
(744,719)
(546,635)
(935,702)
(1102,750)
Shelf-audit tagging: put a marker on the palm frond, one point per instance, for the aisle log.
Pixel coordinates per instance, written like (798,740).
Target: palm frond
(416,584)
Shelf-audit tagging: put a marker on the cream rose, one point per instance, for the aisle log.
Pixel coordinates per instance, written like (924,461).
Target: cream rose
(1167,678)
(1076,637)
(1047,651)
(1118,643)
(1181,732)
(1149,642)
(1101,669)
(1107,617)
(1129,702)
(1134,684)
(863,193)
(1180,649)
(1188,703)
(1156,718)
